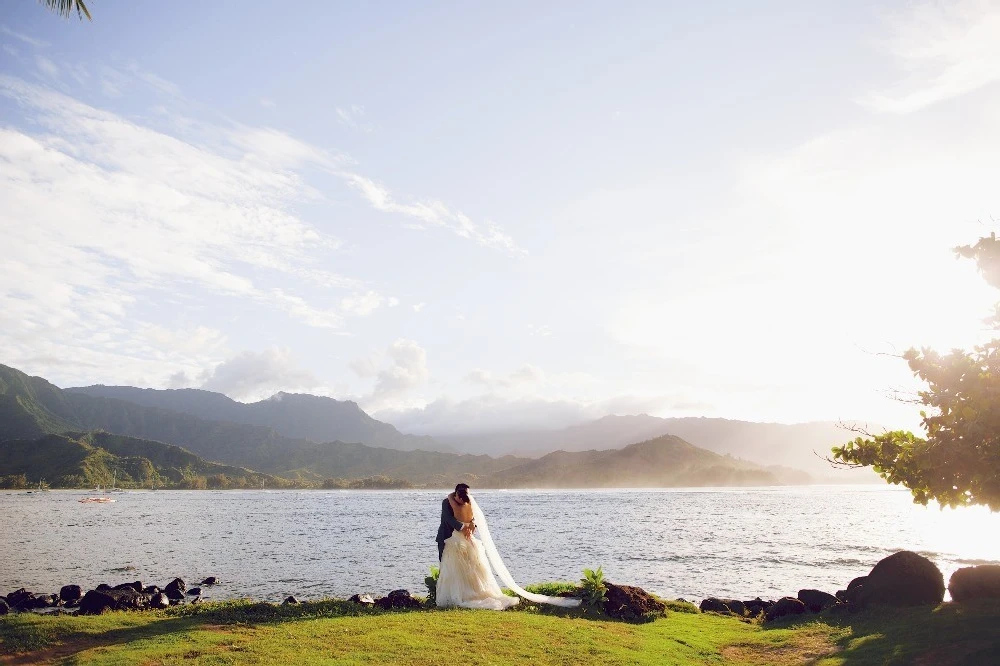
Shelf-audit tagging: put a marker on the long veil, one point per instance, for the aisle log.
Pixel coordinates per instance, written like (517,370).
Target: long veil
(483,530)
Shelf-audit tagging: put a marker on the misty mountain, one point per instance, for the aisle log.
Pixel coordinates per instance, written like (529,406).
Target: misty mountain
(31,407)
(768,444)
(296,415)
(663,462)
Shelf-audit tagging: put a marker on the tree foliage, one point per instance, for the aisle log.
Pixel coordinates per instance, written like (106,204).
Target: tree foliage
(65,8)
(958,462)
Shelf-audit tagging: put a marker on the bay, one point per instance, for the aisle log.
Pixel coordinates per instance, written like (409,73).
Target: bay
(689,543)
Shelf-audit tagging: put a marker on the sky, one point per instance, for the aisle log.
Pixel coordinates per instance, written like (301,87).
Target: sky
(470,218)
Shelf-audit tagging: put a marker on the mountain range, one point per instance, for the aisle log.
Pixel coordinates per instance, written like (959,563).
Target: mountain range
(800,446)
(295,415)
(309,438)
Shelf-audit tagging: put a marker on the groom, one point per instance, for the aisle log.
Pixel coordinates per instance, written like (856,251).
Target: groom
(448,521)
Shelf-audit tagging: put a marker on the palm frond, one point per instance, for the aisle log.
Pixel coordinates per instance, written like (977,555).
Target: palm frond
(65,8)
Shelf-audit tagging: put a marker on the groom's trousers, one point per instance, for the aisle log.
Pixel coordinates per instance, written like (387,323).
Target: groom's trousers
(440,550)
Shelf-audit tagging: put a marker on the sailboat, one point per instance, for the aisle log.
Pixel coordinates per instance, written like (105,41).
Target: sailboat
(40,489)
(98,498)
(114,484)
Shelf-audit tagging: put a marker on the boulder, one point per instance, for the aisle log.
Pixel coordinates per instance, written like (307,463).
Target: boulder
(19,598)
(362,599)
(175,589)
(817,601)
(723,606)
(757,607)
(159,600)
(860,580)
(96,602)
(211,580)
(194,591)
(397,599)
(626,602)
(102,587)
(902,579)
(137,586)
(151,590)
(4,608)
(982,582)
(785,606)
(70,593)
(289,600)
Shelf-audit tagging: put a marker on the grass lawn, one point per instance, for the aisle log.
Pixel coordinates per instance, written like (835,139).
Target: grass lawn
(338,632)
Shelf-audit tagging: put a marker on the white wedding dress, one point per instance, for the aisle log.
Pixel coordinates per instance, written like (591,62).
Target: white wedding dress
(466,579)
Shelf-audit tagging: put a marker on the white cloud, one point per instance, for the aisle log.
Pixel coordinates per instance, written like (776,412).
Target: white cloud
(47,67)
(392,302)
(433,213)
(151,216)
(27,39)
(366,367)
(188,341)
(254,376)
(542,331)
(946,49)
(417,307)
(404,369)
(361,304)
(353,117)
(491,412)
(526,374)
(268,103)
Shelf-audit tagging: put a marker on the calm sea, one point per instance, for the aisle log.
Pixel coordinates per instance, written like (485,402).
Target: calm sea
(689,543)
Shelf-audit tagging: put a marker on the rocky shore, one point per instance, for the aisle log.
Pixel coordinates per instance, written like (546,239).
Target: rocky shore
(902,579)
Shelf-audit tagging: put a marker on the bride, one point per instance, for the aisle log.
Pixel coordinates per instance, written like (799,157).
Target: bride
(466,579)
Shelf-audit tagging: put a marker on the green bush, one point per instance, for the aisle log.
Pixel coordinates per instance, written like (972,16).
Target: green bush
(592,588)
(432,582)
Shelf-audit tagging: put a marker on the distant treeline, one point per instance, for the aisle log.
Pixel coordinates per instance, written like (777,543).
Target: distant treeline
(212,482)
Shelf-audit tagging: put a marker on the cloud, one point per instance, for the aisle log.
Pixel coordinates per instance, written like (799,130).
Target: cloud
(353,117)
(526,374)
(392,302)
(542,331)
(257,375)
(945,49)
(152,216)
(179,380)
(491,412)
(361,304)
(27,39)
(268,103)
(433,213)
(188,341)
(47,67)
(417,307)
(404,369)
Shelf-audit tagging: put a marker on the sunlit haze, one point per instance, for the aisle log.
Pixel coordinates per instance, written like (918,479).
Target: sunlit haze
(468,217)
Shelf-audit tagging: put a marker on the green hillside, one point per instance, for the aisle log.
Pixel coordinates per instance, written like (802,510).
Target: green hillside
(81,460)
(37,407)
(663,462)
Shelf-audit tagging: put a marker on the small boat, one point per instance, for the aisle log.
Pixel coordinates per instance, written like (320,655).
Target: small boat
(40,488)
(98,499)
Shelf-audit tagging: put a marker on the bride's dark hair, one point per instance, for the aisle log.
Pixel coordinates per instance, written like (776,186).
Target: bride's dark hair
(462,491)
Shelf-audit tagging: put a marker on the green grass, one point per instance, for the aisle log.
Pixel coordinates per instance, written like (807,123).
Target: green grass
(338,632)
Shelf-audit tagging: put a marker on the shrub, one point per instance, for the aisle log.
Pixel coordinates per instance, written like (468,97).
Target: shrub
(592,588)
(431,582)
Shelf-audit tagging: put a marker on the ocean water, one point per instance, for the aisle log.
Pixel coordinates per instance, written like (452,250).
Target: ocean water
(680,543)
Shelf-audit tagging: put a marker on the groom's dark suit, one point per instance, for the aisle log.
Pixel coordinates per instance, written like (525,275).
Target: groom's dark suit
(448,525)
